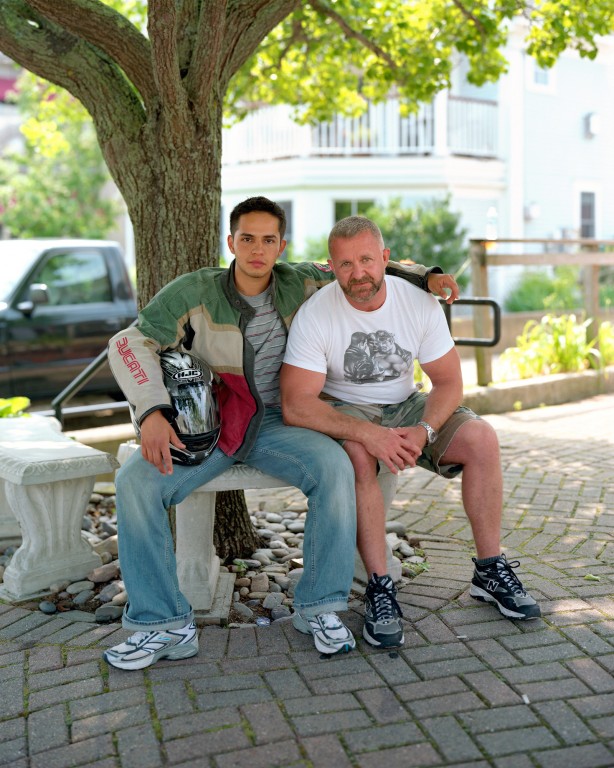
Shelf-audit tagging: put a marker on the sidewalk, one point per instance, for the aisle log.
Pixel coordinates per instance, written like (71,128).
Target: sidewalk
(470,688)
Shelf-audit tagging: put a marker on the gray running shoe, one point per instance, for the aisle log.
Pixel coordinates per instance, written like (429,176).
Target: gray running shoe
(330,634)
(497,583)
(142,649)
(383,626)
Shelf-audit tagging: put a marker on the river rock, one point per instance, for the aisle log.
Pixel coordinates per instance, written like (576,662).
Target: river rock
(260,583)
(107,613)
(296,526)
(272,600)
(280,612)
(243,610)
(83,597)
(104,572)
(393,526)
(273,517)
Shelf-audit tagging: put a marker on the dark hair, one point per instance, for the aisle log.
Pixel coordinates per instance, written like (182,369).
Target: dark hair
(258,205)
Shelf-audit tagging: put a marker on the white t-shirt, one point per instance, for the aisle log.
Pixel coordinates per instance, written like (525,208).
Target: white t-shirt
(368,357)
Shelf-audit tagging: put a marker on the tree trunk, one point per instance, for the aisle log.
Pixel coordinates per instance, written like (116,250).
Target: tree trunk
(233,535)
(175,216)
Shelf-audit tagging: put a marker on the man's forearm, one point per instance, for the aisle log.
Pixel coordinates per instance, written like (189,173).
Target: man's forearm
(441,403)
(316,414)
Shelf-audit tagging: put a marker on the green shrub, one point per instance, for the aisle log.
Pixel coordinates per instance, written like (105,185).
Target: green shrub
(605,342)
(537,289)
(429,233)
(554,345)
(13,406)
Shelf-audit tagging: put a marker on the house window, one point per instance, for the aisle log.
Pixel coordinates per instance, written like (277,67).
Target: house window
(287,208)
(345,208)
(539,79)
(541,76)
(587,214)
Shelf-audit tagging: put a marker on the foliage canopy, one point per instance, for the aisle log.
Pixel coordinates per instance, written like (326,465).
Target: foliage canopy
(54,186)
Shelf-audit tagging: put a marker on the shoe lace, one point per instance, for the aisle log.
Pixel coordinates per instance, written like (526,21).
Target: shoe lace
(383,600)
(329,620)
(137,638)
(506,573)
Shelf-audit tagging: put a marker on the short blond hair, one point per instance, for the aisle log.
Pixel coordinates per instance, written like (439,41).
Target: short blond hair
(354,225)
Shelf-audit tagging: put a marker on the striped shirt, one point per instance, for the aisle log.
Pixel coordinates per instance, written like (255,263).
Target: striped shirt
(267,335)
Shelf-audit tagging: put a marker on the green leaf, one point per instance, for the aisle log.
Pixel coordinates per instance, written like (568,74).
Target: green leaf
(13,406)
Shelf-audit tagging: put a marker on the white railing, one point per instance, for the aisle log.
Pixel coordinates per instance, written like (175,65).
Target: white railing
(472,127)
(270,133)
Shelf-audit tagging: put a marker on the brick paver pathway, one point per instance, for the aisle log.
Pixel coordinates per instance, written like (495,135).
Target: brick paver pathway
(470,688)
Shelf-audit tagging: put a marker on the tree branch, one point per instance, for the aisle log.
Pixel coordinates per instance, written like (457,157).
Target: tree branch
(472,17)
(188,15)
(246,27)
(162,26)
(326,10)
(46,49)
(208,48)
(109,31)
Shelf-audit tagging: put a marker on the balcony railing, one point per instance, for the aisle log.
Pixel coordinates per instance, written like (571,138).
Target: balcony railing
(270,134)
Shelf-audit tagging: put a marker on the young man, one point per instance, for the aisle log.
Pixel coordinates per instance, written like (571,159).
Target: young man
(236,321)
(348,372)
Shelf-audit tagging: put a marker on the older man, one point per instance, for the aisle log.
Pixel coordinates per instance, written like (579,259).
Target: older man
(380,416)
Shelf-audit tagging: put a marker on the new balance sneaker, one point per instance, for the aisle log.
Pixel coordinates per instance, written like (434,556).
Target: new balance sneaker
(497,583)
(383,626)
(330,634)
(142,649)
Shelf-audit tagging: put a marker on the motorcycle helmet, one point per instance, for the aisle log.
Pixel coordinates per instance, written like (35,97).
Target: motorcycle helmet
(195,418)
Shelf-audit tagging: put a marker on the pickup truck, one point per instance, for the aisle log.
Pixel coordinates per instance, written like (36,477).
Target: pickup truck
(60,302)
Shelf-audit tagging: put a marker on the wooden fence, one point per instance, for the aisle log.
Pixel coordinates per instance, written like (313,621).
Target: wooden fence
(589,254)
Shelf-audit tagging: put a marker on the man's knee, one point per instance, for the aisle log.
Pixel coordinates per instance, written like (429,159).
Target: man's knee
(364,464)
(474,440)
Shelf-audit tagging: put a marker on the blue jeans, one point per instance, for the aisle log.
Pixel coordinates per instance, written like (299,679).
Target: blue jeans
(308,460)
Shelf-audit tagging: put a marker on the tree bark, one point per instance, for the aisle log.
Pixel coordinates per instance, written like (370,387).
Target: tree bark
(233,535)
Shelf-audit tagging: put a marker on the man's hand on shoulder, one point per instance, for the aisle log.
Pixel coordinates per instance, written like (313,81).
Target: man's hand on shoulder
(156,436)
(444,286)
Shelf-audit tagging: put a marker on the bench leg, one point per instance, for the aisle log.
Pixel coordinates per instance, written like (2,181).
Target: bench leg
(388,484)
(9,527)
(52,549)
(198,567)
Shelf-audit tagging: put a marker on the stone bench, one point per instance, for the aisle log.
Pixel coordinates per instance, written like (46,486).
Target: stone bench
(198,566)
(46,480)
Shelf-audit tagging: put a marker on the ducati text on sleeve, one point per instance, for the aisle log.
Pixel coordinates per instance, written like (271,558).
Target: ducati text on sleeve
(130,361)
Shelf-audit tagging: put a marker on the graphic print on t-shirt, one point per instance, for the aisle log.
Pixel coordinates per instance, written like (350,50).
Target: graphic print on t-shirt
(375,357)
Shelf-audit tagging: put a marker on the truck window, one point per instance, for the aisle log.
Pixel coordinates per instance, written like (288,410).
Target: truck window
(75,277)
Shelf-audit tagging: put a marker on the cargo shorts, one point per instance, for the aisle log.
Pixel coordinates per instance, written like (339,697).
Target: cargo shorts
(408,414)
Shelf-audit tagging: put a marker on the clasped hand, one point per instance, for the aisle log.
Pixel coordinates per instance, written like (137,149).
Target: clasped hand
(397,447)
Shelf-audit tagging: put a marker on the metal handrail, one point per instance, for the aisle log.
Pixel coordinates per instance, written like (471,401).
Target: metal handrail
(79,381)
(87,373)
(475,301)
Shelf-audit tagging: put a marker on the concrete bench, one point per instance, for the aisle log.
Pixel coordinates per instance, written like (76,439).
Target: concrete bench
(198,566)
(47,480)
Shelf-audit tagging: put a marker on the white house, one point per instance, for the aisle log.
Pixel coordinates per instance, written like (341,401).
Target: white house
(530,156)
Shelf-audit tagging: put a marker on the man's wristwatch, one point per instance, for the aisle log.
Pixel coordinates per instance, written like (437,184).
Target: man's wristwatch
(431,434)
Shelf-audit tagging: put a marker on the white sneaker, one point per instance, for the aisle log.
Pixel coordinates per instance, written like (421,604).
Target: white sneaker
(145,648)
(329,633)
